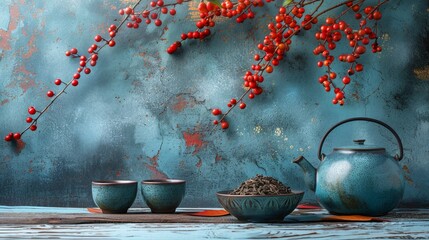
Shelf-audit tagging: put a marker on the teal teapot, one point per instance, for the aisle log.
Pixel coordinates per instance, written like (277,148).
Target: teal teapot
(360,179)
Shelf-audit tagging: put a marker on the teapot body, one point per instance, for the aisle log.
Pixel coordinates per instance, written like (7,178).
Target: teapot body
(359,183)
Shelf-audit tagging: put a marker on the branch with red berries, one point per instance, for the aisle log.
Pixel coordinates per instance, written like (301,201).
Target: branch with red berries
(131,19)
(290,20)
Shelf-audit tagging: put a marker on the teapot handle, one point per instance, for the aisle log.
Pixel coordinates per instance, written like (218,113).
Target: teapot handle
(321,155)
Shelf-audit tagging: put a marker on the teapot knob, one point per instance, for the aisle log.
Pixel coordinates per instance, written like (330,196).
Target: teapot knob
(359,141)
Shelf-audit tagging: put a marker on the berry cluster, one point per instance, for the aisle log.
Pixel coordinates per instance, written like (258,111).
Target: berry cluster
(335,30)
(132,19)
(241,10)
(292,19)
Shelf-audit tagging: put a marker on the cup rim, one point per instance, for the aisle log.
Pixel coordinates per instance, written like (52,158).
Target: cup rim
(163,181)
(113,182)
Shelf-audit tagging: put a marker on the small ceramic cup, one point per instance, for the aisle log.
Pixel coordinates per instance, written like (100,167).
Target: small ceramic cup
(163,195)
(114,196)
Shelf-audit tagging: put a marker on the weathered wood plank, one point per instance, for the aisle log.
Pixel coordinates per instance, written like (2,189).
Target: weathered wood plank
(330,230)
(65,216)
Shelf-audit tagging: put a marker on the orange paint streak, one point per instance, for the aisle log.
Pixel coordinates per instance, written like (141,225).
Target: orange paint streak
(31,48)
(5,36)
(154,160)
(24,82)
(19,145)
(199,163)
(155,172)
(194,140)
(4,102)
(180,104)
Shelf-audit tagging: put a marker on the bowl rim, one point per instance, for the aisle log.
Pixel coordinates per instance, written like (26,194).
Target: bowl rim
(225,193)
(113,182)
(163,181)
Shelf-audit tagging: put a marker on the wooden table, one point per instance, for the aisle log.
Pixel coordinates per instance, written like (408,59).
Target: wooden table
(78,223)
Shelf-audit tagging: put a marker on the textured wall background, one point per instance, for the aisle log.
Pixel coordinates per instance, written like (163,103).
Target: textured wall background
(144,114)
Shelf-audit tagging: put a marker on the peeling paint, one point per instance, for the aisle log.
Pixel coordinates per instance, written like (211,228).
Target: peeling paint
(278,132)
(257,129)
(156,174)
(407,175)
(422,73)
(180,104)
(5,36)
(31,48)
(19,145)
(4,101)
(23,79)
(199,163)
(194,140)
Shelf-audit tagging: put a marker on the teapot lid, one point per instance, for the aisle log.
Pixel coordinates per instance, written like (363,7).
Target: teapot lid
(360,147)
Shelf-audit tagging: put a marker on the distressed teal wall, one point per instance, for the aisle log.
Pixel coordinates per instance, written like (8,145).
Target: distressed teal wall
(144,114)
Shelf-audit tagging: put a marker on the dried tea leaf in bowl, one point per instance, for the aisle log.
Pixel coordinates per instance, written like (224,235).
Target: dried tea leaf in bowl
(261,185)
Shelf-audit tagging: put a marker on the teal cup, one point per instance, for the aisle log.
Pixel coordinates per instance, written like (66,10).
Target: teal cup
(114,196)
(163,195)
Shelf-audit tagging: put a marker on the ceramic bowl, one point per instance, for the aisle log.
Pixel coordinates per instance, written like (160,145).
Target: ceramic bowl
(163,195)
(114,196)
(259,208)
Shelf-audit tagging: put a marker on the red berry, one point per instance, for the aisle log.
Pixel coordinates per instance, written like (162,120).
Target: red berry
(87,70)
(17,136)
(158,22)
(224,125)
(32,110)
(330,21)
(215,122)
(376,15)
(251,96)
(74,82)
(68,53)
(233,101)
(57,81)
(164,10)
(339,95)
(73,51)
(216,111)
(33,127)
(8,138)
(346,80)
(112,43)
(242,105)
(29,119)
(76,76)
(121,12)
(50,93)
(128,10)
(172,12)
(359,67)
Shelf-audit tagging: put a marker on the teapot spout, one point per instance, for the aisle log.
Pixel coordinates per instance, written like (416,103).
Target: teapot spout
(309,172)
